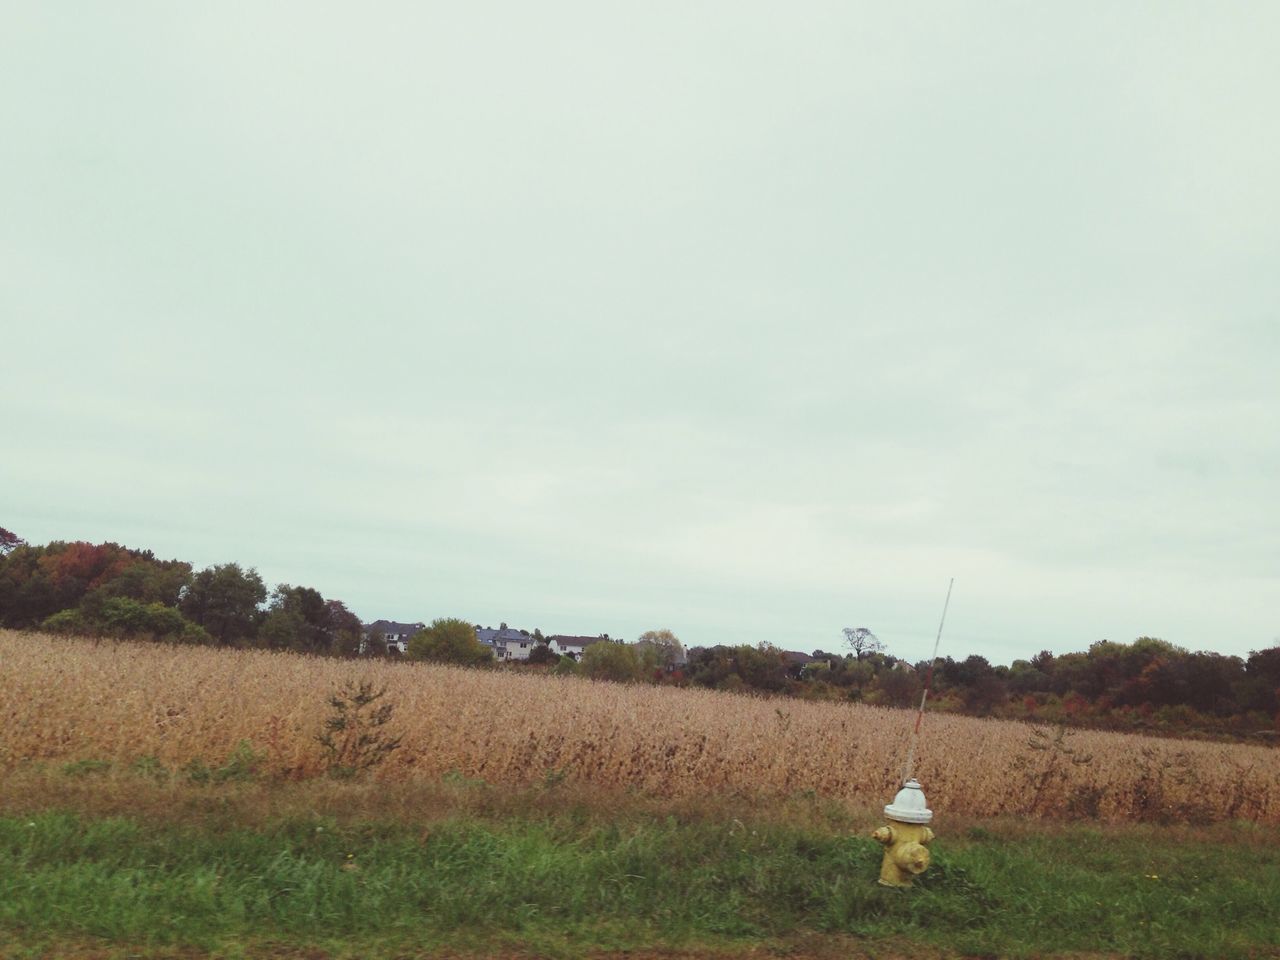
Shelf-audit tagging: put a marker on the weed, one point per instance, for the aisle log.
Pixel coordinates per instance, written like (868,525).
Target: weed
(84,768)
(354,737)
(1047,775)
(242,765)
(149,767)
(456,778)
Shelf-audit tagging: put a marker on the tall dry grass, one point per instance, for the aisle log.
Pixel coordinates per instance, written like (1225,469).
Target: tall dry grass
(66,700)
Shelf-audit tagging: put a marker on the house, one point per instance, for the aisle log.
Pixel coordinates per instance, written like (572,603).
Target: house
(394,635)
(795,658)
(573,646)
(796,662)
(507,643)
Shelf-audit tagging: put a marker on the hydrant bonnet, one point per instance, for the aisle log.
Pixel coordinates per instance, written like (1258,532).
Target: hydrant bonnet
(909,805)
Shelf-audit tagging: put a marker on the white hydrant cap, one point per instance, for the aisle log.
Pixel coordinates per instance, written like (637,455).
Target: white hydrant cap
(909,805)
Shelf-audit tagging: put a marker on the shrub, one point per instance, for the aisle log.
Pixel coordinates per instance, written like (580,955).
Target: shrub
(542,653)
(449,640)
(242,765)
(66,623)
(354,739)
(611,661)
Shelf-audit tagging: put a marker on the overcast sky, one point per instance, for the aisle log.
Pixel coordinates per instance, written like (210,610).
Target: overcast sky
(754,321)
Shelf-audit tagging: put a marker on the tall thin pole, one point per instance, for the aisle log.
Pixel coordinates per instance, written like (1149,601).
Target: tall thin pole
(909,768)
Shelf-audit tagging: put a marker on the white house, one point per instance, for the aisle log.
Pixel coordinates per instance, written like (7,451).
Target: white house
(507,643)
(573,646)
(394,635)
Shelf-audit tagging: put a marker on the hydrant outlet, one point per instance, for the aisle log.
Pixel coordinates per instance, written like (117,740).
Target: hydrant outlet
(913,858)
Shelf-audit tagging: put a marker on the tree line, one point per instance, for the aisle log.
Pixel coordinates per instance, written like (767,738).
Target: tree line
(106,589)
(1148,685)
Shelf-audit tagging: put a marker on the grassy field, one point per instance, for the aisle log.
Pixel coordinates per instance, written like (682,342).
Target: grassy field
(173,802)
(175,707)
(108,864)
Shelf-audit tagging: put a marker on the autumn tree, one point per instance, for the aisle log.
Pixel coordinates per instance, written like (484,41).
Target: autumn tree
(38,582)
(449,640)
(660,649)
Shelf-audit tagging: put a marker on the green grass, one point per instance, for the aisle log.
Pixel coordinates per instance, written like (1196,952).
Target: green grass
(567,884)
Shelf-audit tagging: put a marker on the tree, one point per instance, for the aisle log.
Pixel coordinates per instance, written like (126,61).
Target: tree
(985,693)
(284,628)
(126,617)
(660,649)
(9,541)
(1260,686)
(618,662)
(897,687)
(449,640)
(224,600)
(762,667)
(297,619)
(37,582)
(26,595)
(862,642)
(146,580)
(542,653)
(1043,661)
(1024,678)
(344,628)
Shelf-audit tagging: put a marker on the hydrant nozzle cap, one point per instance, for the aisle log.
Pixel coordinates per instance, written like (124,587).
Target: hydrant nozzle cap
(909,806)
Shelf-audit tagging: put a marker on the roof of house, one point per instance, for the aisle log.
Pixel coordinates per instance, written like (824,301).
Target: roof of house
(795,656)
(391,626)
(503,635)
(566,641)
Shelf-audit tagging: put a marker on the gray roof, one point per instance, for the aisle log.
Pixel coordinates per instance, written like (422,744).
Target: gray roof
(391,626)
(566,641)
(490,636)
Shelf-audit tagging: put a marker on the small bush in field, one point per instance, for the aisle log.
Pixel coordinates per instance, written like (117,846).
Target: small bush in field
(241,766)
(354,737)
(150,768)
(83,768)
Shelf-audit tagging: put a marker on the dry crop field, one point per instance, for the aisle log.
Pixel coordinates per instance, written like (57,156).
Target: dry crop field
(70,700)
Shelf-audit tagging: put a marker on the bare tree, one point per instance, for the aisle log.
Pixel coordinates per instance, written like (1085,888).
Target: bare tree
(862,642)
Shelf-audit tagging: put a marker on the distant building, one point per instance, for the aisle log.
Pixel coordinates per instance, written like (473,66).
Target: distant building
(507,643)
(796,662)
(394,635)
(573,646)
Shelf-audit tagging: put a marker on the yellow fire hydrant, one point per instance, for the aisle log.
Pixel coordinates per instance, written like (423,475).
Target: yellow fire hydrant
(906,838)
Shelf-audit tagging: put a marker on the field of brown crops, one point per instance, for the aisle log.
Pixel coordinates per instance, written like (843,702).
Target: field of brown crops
(70,700)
